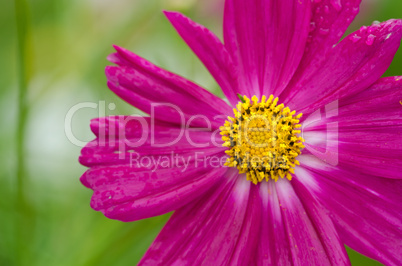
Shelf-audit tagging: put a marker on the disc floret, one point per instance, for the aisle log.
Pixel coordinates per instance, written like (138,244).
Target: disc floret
(263,139)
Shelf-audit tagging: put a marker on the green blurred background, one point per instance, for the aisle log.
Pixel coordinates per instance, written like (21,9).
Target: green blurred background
(45,218)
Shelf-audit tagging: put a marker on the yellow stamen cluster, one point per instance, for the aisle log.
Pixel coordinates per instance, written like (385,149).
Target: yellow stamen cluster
(262,138)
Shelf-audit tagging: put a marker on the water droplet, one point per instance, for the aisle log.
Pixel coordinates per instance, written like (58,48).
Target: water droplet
(324,31)
(375,22)
(355,38)
(372,28)
(312,26)
(326,9)
(321,19)
(336,4)
(370,39)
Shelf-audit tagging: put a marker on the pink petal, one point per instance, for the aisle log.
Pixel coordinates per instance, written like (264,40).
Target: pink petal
(366,209)
(218,229)
(352,66)
(127,193)
(134,177)
(210,51)
(121,139)
(240,223)
(266,40)
(142,84)
(367,132)
(329,21)
(311,234)
(273,248)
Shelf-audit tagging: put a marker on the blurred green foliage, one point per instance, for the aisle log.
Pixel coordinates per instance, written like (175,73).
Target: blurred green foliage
(66,48)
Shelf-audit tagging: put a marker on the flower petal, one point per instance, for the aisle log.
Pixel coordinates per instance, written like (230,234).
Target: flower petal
(130,193)
(216,230)
(171,97)
(351,66)
(329,22)
(366,209)
(273,248)
(266,40)
(121,139)
(311,234)
(141,168)
(210,51)
(365,132)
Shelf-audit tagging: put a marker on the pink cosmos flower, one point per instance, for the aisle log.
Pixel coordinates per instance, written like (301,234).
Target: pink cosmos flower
(337,182)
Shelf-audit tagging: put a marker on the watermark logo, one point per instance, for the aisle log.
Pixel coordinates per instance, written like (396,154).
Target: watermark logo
(188,140)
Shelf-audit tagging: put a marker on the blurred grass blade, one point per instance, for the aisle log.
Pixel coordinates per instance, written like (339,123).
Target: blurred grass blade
(21,15)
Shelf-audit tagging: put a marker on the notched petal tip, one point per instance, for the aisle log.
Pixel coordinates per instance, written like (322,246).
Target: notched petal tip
(113,58)
(95,125)
(83,178)
(169,14)
(389,30)
(111,73)
(174,17)
(117,48)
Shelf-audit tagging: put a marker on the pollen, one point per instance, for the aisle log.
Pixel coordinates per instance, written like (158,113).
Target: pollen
(262,139)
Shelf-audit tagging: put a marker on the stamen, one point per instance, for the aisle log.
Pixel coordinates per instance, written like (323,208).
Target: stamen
(262,138)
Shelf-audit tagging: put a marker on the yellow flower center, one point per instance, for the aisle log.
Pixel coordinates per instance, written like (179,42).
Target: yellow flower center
(262,138)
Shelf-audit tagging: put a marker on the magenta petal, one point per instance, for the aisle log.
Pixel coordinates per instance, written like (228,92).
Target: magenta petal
(329,22)
(365,134)
(218,229)
(323,224)
(120,139)
(142,84)
(210,51)
(312,237)
(266,38)
(128,194)
(273,248)
(366,209)
(135,175)
(351,66)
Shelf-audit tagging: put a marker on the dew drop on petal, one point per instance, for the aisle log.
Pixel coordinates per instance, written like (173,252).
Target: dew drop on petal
(326,9)
(337,5)
(321,19)
(355,38)
(312,26)
(370,39)
(324,31)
